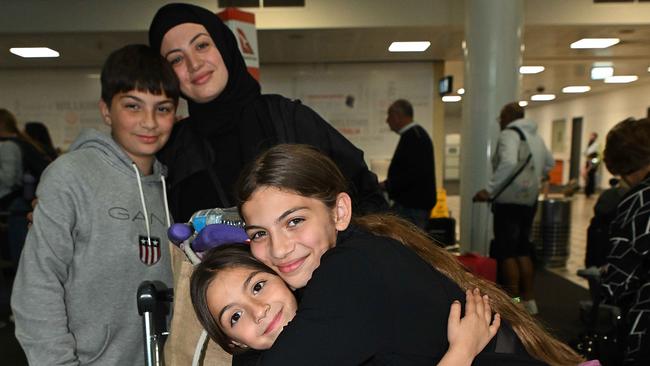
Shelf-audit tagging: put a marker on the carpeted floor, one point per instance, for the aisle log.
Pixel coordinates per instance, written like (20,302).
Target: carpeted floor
(558,301)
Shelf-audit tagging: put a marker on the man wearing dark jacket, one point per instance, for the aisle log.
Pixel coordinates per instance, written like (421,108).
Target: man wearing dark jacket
(411,180)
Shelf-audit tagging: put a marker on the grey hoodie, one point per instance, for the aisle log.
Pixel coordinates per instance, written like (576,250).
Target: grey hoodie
(505,159)
(74,296)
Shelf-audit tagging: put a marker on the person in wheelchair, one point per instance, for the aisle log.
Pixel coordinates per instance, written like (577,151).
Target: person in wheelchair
(626,274)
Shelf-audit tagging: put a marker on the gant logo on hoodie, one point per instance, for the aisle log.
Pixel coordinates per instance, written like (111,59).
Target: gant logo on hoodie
(149,250)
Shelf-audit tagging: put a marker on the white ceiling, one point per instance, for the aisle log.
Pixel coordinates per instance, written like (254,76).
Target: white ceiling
(545,45)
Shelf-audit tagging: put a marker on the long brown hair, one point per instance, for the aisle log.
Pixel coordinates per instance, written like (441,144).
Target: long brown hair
(215,260)
(304,170)
(9,125)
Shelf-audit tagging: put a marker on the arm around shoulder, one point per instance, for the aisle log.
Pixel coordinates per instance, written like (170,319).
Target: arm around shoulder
(336,323)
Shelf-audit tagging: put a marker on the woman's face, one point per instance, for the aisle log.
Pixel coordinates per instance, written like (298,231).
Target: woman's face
(250,306)
(289,232)
(196,61)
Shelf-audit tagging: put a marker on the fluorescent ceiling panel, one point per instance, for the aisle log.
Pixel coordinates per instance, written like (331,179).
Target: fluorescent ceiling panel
(601,72)
(419,46)
(33,52)
(542,97)
(531,69)
(594,43)
(621,79)
(451,98)
(576,89)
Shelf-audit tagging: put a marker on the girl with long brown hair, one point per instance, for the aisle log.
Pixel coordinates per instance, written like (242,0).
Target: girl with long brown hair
(243,304)
(374,289)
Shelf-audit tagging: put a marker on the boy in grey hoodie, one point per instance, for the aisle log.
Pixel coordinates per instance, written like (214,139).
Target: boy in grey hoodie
(100,225)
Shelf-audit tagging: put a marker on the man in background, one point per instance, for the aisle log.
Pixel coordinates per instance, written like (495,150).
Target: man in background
(411,180)
(519,163)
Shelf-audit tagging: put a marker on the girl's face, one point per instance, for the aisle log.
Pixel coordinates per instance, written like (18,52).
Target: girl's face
(290,233)
(250,306)
(196,61)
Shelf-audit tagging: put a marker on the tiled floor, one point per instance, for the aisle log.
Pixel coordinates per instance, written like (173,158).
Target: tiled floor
(581,213)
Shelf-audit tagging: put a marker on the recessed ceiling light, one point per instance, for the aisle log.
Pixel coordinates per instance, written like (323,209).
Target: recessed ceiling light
(601,72)
(576,89)
(595,43)
(31,52)
(542,97)
(451,98)
(419,46)
(621,79)
(523,103)
(461,91)
(648,68)
(531,69)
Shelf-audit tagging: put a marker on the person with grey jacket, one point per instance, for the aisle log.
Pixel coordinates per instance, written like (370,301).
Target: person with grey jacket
(519,163)
(100,225)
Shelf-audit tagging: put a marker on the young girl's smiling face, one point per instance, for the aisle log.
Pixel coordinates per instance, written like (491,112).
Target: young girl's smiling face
(290,233)
(250,306)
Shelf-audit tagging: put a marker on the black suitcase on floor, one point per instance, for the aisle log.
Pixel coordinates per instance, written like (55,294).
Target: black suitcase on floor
(442,230)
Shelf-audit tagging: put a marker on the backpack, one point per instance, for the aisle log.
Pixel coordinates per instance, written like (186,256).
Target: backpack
(522,186)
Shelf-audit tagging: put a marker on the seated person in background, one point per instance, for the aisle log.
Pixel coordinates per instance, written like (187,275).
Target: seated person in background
(626,280)
(243,304)
(99,225)
(598,230)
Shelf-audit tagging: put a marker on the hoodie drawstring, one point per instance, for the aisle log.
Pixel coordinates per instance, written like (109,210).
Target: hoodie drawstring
(164,188)
(144,206)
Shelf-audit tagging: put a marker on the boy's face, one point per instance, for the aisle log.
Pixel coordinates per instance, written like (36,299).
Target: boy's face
(140,123)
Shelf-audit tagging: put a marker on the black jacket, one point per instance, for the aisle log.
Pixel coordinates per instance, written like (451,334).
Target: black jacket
(411,179)
(192,153)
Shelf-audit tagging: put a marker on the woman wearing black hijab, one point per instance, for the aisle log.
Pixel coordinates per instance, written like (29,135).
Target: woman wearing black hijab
(230,121)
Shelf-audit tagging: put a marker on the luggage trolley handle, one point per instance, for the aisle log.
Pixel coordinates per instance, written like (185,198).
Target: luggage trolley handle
(149,296)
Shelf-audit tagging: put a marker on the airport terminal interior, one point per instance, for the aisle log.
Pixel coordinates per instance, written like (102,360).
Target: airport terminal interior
(575,67)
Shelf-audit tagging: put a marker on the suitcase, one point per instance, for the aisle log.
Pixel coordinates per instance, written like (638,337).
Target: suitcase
(442,230)
(479,265)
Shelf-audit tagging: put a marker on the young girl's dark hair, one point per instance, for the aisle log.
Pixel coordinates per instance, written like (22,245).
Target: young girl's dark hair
(217,259)
(305,171)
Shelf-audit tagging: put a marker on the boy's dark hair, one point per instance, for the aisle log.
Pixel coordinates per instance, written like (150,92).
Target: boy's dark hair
(138,67)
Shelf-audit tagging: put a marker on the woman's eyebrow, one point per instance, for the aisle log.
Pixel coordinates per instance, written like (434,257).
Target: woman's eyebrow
(191,41)
(197,36)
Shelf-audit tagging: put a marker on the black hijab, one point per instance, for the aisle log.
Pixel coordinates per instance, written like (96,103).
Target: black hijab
(223,112)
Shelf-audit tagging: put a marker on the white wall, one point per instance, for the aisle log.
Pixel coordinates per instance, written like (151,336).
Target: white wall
(66,100)
(372,86)
(600,112)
